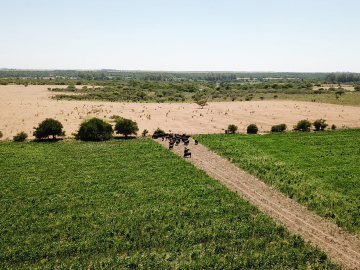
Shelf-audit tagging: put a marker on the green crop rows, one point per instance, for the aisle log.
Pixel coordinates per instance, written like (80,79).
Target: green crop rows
(320,170)
(130,204)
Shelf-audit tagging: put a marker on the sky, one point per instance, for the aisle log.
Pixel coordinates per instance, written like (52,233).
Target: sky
(169,35)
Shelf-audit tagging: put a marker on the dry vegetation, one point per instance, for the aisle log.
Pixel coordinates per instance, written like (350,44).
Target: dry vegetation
(22,108)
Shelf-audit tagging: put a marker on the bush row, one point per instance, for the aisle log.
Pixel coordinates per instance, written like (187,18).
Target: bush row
(97,129)
(302,125)
(94,129)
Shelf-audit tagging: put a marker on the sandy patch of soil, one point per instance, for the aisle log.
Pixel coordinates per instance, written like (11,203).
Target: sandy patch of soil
(22,108)
(327,86)
(341,246)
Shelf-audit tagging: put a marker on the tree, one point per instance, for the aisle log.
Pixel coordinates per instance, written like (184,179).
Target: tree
(145,132)
(340,91)
(252,129)
(232,128)
(303,125)
(126,127)
(71,87)
(49,127)
(201,102)
(278,128)
(20,137)
(159,132)
(94,129)
(357,88)
(320,124)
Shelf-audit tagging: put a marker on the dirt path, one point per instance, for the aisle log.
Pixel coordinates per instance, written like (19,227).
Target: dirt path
(341,246)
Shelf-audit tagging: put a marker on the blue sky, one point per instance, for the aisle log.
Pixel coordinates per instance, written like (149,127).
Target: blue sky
(227,35)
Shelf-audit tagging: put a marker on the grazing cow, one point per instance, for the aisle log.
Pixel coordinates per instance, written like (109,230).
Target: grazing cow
(186,150)
(169,136)
(187,154)
(171,146)
(196,142)
(186,142)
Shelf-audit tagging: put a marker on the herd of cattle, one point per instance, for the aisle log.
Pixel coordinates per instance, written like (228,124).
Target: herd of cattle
(176,139)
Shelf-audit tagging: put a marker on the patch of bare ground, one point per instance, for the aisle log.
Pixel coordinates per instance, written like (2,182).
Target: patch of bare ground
(342,247)
(22,108)
(347,87)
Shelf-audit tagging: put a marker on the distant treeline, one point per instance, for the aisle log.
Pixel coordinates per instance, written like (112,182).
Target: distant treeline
(343,77)
(178,76)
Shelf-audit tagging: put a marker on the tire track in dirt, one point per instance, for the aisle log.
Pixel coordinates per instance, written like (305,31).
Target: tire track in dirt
(342,247)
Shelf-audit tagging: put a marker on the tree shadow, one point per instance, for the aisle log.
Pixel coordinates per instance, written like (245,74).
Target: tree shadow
(47,140)
(124,138)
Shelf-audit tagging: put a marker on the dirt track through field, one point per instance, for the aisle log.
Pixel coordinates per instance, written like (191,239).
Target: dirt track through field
(341,246)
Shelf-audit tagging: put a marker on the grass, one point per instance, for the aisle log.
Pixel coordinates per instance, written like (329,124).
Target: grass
(349,98)
(130,204)
(320,170)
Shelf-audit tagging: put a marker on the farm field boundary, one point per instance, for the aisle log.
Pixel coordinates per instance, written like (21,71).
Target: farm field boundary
(341,246)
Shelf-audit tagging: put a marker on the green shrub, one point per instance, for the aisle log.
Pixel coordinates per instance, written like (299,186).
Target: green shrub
(49,127)
(159,131)
(94,129)
(71,87)
(232,128)
(320,124)
(278,128)
(252,129)
(201,102)
(126,127)
(115,117)
(303,125)
(1,135)
(333,127)
(145,132)
(20,137)
(340,91)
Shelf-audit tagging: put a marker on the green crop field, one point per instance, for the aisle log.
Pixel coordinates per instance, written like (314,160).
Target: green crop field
(127,204)
(320,170)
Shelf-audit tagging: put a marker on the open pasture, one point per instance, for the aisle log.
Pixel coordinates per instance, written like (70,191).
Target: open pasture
(129,204)
(320,170)
(23,108)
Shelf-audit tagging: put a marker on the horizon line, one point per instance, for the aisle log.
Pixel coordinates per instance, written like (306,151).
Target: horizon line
(169,71)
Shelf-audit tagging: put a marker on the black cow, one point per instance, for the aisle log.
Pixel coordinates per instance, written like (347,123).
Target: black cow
(187,152)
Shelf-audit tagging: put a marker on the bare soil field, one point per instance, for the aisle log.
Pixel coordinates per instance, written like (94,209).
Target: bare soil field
(22,108)
(341,246)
